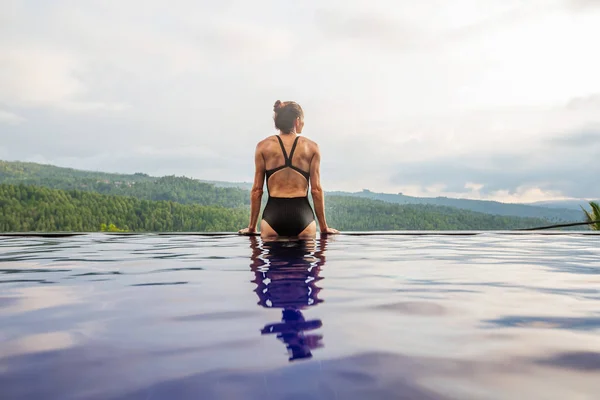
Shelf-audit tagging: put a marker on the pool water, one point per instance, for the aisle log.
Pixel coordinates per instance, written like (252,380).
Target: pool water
(488,316)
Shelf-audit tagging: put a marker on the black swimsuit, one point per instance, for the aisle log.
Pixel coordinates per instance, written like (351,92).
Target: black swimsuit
(288,216)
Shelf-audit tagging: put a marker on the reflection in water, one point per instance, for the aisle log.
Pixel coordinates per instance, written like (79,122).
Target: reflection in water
(286,276)
(490,316)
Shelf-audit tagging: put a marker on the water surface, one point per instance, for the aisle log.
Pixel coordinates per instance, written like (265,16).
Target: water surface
(489,316)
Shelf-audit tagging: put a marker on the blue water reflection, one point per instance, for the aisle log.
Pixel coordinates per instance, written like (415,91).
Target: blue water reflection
(286,277)
(148,317)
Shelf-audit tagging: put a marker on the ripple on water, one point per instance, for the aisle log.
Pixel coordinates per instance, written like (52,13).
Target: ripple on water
(414,308)
(493,316)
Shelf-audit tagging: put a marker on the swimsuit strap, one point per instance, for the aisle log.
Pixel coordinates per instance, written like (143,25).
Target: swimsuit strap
(292,152)
(288,160)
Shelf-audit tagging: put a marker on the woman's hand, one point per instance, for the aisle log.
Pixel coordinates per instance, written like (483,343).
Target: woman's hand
(248,231)
(330,231)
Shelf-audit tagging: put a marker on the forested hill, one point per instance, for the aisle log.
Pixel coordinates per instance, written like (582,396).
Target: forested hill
(44,174)
(178,189)
(192,191)
(26,208)
(356,214)
(489,207)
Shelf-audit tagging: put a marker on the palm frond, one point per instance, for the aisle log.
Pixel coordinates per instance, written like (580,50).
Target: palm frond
(595,209)
(594,215)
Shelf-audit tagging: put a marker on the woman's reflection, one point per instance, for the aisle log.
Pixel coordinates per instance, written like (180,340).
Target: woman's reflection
(286,276)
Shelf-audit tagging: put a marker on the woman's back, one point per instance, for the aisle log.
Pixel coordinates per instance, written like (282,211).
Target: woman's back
(287,178)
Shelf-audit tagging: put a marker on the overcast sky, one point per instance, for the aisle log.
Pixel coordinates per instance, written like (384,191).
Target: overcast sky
(493,99)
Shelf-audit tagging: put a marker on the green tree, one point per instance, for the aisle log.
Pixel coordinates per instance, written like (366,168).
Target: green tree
(111,228)
(32,208)
(593,215)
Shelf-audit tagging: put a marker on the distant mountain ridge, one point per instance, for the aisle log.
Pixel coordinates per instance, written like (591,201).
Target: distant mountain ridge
(484,206)
(234,194)
(239,185)
(565,208)
(568,204)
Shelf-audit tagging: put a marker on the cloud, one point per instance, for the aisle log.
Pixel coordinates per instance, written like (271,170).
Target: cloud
(22,81)
(587,138)
(551,169)
(368,28)
(591,102)
(245,40)
(200,163)
(582,4)
(481,98)
(33,76)
(10,118)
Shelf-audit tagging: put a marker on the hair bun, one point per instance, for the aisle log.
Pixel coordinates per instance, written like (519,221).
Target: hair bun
(278,104)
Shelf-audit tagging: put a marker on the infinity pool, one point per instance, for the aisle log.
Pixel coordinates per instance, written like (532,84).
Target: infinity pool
(487,316)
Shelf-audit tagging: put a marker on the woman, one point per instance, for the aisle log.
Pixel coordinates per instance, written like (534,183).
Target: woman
(289,163)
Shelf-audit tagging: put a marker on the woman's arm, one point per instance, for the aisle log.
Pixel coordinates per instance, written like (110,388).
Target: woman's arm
(257,189)
(317,191)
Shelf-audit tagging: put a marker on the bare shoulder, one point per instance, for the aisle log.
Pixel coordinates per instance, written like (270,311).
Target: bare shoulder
(313,146)
(265,142)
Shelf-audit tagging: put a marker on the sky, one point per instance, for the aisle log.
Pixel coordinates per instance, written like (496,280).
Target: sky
(483,99)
